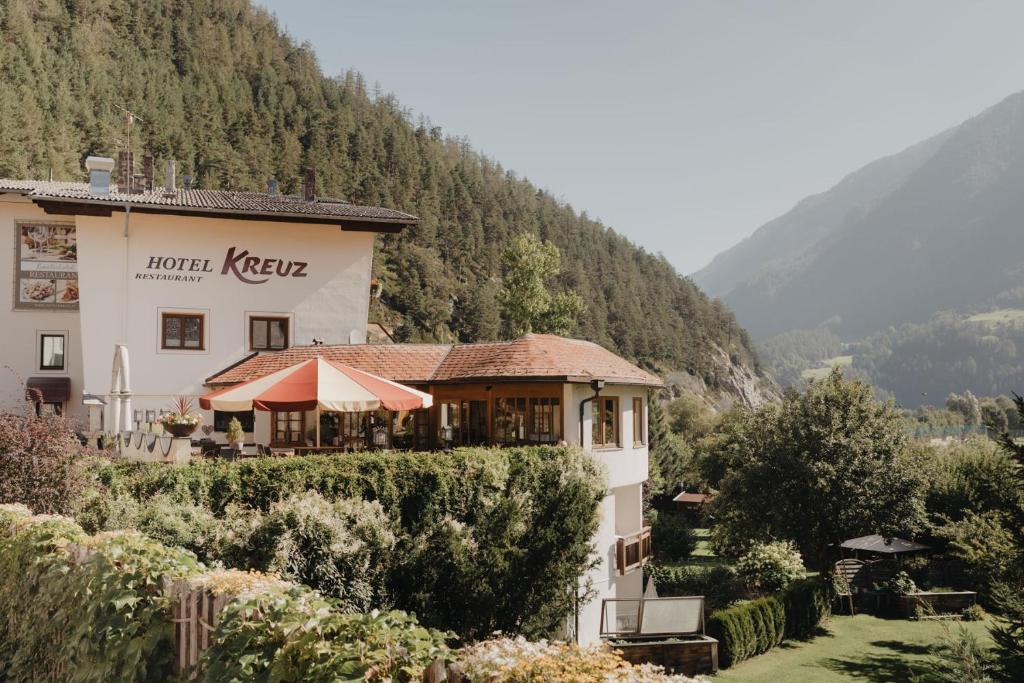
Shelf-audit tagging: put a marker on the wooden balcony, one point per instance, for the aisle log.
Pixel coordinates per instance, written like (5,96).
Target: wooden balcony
(633,551)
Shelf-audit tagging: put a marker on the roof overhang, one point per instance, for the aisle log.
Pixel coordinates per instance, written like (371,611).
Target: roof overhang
(65,206)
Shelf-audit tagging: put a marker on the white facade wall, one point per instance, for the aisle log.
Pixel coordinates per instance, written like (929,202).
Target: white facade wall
(20,330)
(126,286)
(622,509)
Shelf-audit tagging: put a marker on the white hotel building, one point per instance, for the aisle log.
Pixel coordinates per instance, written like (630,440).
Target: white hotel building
(187,290)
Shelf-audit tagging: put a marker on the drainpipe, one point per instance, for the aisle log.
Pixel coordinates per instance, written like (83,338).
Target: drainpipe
(597,385)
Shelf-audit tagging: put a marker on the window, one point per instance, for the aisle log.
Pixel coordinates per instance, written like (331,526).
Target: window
(289,428)
(462,422)
(606,422)
(182,331)
(221,418)
(639,424)
(509,420)
(46,408)
(51,351)
(268,334)
(545,420)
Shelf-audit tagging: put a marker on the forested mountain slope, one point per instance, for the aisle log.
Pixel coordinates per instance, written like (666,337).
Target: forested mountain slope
(946,233)
(221,90)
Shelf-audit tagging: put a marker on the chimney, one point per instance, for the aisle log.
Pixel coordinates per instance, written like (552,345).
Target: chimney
(99,174)
(186,181)
(272,187)
(169,179)
(125,170)
(309,185)
(148,170)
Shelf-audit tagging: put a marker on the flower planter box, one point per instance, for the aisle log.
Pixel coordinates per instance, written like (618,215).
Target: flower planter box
(691,656)
(940,603)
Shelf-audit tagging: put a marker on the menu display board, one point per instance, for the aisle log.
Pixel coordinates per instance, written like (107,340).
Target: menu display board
(46,271)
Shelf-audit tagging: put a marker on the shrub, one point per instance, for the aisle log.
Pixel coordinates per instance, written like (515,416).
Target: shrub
(807,603)
(41,462)
(902,584)
(973,613)
(101,614)
(340,548)
(180,525)
(75,607)
(752,628)
(719,584)
(285,632)
(960,658)
(672,536)
(520,661)
(770,567)
(485,539)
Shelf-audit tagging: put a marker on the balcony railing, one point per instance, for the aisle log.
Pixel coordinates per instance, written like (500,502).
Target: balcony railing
(633,551)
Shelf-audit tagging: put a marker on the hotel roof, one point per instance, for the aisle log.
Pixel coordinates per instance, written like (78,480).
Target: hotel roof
(531,357)
(62,197)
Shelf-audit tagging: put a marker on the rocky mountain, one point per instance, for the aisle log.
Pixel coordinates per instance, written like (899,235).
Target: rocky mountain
(935,227)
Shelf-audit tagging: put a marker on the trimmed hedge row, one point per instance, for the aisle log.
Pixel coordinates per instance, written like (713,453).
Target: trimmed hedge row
(75,607)
(719,584)
(752,628)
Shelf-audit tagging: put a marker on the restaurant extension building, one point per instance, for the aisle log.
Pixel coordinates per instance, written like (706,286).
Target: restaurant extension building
(121,299)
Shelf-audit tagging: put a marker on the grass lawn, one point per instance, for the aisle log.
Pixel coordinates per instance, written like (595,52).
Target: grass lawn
(826,367)
(863,648)
(1002,315)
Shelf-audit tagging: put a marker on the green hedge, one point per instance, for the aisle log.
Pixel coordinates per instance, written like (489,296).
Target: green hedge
(106,616)
(485,539)
(719,584)
(752,628)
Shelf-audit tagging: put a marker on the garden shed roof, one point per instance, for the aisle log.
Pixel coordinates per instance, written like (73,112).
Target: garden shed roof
(878,544)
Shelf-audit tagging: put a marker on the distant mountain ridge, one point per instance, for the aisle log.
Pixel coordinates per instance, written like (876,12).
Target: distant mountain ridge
(937,226)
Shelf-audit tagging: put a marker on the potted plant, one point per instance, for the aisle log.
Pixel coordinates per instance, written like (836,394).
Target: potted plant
(234,434)
(183,419)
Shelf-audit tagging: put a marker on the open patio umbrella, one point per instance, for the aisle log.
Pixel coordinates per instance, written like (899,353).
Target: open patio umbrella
(317,384)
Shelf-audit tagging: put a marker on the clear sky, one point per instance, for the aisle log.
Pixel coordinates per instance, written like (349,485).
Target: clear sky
(687,124)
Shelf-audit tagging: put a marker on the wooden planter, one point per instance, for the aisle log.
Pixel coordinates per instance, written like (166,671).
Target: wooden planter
(692,656)
(939,603)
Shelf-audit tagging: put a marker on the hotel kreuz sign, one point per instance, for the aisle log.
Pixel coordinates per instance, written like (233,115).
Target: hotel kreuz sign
(250,269)
(46,266)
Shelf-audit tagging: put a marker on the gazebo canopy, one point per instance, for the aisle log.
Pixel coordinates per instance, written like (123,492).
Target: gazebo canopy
(877,544)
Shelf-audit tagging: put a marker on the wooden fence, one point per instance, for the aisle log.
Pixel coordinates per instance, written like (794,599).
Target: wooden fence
(195,612)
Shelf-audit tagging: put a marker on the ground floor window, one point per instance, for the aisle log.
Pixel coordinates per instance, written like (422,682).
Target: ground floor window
(289,428)
(44,408)
(527,420)
(410,429)
(51,351)
(221,419)
(545,420)
(462,423)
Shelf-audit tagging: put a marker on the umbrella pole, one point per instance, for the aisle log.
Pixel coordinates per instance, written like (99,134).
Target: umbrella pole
(318,425)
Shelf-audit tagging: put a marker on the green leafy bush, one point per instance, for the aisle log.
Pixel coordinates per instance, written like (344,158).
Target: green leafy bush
(289,633)
(41,462)
(719,584)
(902,584)
(484,539)
(770,567)
(341,548)
(807,602)
(752,628)
(973,613)
(672,536)
(96,610)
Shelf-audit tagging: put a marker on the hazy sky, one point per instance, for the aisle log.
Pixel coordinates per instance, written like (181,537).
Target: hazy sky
(684,125)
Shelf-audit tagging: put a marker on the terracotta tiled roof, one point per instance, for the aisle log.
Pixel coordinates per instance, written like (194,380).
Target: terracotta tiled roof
(406,363)
(209,200)
(534,356)
(540,355)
